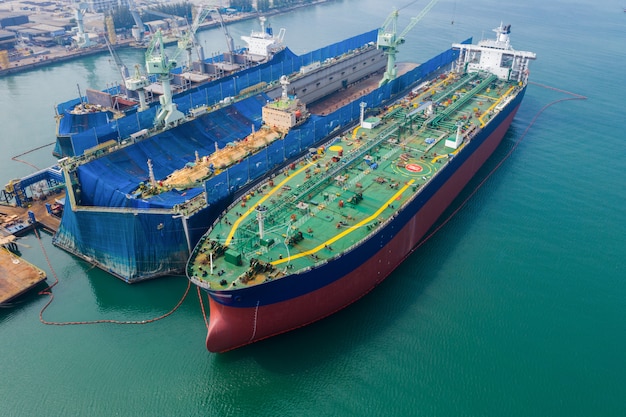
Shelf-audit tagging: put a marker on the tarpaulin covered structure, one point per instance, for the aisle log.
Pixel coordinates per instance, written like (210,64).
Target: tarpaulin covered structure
(135,238)
(78,132)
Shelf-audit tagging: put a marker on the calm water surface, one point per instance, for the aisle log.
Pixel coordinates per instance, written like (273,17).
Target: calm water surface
(516,307)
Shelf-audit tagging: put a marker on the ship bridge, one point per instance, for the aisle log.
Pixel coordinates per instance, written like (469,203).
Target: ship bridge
(495,56)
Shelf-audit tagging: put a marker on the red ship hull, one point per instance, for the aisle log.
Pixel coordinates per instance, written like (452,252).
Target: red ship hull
(231,327)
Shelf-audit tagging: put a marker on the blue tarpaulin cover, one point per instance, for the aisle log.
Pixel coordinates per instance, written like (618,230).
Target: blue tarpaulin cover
(134,243)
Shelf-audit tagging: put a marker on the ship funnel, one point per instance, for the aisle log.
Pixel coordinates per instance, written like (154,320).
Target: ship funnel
(502,34)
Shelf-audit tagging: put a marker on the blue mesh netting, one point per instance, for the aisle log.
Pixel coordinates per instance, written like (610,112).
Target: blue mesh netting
(285,62)
(216,188)
(143,244)
(128,245)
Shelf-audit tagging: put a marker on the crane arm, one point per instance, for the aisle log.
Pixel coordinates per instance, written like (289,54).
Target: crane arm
(391,20)
(118,61)
(135,14)
(189,38)
(388,40)
(229,39)
(417,18)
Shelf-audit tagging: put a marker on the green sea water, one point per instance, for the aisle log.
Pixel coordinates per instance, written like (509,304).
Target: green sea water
(516,307)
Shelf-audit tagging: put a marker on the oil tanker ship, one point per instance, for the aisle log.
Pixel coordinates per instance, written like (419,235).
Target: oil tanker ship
(325,230)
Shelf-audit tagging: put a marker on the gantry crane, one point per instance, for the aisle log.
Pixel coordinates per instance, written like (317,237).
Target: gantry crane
(388,40)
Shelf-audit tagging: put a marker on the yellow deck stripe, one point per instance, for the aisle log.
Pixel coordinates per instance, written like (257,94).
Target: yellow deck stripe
(349,230)
(265,197)
(480,119)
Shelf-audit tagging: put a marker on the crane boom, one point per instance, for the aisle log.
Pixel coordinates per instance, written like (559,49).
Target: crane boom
(388,39)
(230,44)
(417,18)
(138,32)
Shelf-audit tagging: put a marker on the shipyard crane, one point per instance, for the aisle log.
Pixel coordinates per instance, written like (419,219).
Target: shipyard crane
(388,40)
(159,64)
(188,40)
(138,82)
(139,30)
(230,43)
(82,37)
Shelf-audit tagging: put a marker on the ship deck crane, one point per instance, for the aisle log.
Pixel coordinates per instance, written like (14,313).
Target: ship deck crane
(388,40)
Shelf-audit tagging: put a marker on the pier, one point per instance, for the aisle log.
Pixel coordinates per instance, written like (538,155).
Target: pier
(23,216)
(17,275)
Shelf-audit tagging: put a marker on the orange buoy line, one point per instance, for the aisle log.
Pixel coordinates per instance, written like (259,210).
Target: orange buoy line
(206,320)
(16,157)
(111,321)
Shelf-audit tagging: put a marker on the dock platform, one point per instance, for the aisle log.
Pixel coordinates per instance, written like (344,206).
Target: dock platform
(17,276)
(44,219)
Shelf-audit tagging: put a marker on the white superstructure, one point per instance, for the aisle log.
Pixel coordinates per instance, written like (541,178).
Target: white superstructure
(496,56)
(262,43)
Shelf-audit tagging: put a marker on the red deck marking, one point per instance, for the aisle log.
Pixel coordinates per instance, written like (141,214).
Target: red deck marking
(414,168)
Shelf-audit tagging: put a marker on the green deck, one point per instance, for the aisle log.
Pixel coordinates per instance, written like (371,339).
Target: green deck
(331,200)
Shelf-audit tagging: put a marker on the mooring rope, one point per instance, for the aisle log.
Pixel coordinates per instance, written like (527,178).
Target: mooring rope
(47,291)
(16,157)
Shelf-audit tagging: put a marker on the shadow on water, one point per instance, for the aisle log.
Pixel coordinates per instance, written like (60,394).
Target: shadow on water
(113,294)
